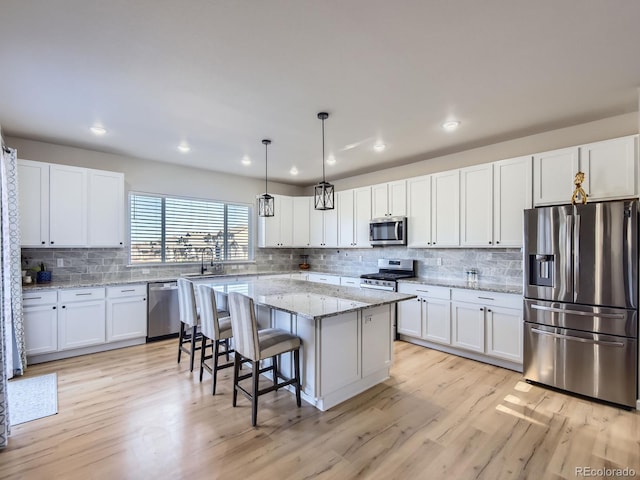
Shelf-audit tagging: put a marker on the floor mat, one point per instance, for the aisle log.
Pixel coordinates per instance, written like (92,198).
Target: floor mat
(32,398)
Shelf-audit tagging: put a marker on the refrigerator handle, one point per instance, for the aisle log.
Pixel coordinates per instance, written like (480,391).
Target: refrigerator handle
(567,262)
(576,257)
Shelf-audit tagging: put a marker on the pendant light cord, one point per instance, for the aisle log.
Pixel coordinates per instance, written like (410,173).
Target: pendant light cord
(265,168)
(266,143)
(323,179)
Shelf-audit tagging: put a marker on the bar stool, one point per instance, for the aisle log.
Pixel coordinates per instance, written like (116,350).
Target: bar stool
(189,321)
(253,345)
(215,325)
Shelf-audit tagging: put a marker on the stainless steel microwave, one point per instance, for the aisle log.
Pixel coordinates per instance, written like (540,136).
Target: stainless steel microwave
(388,231)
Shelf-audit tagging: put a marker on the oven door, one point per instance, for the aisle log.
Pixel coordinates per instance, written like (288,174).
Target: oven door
(388,231)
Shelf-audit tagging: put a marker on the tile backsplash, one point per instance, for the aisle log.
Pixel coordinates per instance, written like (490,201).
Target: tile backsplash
(502,266)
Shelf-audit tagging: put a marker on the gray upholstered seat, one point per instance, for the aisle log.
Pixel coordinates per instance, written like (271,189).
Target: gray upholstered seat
(189,321)
(215,326)
(253,345)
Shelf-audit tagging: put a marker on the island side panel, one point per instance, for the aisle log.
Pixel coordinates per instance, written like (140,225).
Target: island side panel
(377,340)
(339,342)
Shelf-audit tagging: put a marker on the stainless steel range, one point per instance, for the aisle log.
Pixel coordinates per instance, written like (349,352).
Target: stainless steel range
(389,271)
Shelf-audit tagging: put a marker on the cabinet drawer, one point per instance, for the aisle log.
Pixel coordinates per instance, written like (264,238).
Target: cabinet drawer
(508,300)
(48,297)
(443,293)
(350,282)
(80,294)
(126,291)
(320,278)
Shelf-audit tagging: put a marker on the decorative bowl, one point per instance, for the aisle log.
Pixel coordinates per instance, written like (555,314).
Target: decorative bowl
(43,276)
(304,266)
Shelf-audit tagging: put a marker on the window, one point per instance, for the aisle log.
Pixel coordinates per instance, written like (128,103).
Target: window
(172,230)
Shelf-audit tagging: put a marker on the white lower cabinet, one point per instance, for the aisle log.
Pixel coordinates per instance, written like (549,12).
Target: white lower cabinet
(504,333)
(428,316)
(488,324)
(40,314)
(468,326)
(81,318)
(126,312)
(73,321)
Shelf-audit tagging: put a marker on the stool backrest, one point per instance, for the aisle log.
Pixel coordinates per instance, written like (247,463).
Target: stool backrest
(187,302)
(244,325)
(209,321)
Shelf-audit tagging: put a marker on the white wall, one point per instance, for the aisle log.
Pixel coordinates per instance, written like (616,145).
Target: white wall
(153,177)
(618,126)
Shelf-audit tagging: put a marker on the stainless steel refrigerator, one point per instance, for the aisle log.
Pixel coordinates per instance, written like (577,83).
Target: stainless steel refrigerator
(581,299)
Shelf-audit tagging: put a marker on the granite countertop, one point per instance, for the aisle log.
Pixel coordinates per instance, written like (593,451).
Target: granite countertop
(309,299)
(82,284)
(480,286)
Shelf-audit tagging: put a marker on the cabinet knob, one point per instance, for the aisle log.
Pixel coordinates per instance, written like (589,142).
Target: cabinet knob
(43,242)
(64,306)
(52,243)
(489,242)
(488,310)
(120,243)
(54,307)
(144,299)
(481,309)
(497,241)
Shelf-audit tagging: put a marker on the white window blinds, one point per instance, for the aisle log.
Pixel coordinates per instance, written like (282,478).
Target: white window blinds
(172,229)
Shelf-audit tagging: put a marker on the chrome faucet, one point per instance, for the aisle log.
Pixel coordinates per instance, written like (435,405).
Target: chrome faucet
(202,267)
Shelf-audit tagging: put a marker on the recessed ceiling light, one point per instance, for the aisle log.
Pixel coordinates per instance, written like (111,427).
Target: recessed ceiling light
(98,130)
(293,171)
(331,160)
(350,146)
(184,148)
(379,147)
(246,161)
(451,126)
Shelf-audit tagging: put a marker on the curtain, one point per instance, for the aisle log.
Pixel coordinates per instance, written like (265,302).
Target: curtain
(12,345)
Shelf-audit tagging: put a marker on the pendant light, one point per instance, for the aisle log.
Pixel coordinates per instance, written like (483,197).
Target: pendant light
(323,196)
(265,201)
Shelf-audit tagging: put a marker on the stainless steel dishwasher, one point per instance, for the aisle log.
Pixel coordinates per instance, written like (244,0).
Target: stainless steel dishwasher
(163,315)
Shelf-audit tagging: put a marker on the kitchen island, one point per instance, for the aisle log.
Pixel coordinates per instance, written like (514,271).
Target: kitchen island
(346,332)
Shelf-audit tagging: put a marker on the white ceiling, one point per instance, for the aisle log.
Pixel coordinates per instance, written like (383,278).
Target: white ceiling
(223,75)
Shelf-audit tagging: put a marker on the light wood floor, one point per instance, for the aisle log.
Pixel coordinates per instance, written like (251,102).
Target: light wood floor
(135,414)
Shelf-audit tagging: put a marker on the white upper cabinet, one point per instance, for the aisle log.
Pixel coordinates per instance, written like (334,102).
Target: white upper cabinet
(67,206)
(389,199)
(419,212)
(301,206)
(33,202)
(610,169)
(476,206)
(445,209)
(63,206)
(106,209)
(512,186)
(553,174)
(354,213)
(277,231)
(323,226)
